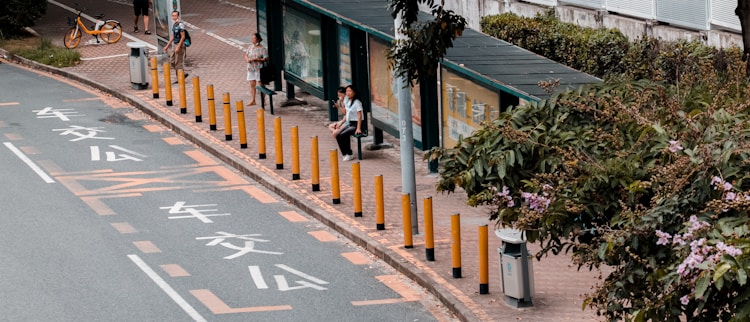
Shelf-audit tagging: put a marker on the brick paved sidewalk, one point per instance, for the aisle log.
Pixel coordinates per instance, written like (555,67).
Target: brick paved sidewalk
(216,59)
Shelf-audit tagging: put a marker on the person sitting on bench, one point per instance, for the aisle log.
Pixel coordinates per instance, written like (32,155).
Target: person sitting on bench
(353,118)
(340,104)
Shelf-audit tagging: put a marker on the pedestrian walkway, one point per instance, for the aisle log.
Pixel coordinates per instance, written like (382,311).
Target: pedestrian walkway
(219,30)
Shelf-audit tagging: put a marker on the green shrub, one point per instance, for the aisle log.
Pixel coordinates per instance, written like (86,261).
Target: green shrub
(647,173)
(16,14)
(594,51)
(48,54)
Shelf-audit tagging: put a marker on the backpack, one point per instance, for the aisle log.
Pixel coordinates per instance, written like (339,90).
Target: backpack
(187,38)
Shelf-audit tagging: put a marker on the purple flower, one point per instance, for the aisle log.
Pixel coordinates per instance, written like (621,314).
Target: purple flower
(674,146)
(685,300)
(663,237)
(716,181)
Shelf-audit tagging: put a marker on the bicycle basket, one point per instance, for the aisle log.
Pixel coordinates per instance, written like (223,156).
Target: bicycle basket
(71,21)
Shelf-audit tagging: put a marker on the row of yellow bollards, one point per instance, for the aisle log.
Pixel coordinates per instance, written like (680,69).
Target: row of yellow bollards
(315,176)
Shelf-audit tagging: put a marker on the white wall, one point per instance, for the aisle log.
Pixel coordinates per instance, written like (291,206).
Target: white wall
(473,10)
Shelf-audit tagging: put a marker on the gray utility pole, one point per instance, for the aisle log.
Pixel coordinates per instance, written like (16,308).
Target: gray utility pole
(406,134)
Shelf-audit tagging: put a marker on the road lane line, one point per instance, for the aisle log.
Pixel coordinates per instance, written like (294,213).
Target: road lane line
(217,306)
(146,247)
(356,258)
(124,228)
(323,236)
(292,216)
(166,288)
(174,270)
(29,163)
(14,136)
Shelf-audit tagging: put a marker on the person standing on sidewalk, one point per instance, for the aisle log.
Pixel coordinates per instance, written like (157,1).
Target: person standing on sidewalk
(353,116)
(177,40)
(255,56)
(141,8)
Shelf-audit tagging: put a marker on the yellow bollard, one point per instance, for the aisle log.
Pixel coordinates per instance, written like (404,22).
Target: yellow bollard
(379,203)
(181,87)
(261,134)
(357,186)
(277,143)
(227,118)
(241,124)
(295,153)
(211,108)
(484,278)
(315,163)
(154,77)
(429,236)
(335,191)
(406,217)
(456,244)
(168,84)
(197,99)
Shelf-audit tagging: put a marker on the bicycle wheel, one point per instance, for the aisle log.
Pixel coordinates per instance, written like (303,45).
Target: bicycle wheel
(111,32)
(72,38)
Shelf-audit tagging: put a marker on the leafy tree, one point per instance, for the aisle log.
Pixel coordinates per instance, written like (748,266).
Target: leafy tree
(16,14)
(649,178)
(427,40)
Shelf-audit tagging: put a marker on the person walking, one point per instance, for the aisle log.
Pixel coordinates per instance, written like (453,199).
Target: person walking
(353,116)
(177,41)
(141,8)
(255,56)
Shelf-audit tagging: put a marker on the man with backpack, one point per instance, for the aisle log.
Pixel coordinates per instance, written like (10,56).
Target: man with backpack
(177,39)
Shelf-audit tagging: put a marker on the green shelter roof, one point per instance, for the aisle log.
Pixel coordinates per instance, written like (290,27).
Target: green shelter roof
(487,60)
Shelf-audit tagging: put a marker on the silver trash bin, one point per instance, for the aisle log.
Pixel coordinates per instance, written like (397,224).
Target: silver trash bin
(138,65)
(516,270)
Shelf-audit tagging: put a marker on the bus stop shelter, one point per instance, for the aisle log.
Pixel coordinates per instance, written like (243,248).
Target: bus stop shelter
(320,45)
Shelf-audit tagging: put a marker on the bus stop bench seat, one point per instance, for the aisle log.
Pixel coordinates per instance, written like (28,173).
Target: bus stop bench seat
(263,92)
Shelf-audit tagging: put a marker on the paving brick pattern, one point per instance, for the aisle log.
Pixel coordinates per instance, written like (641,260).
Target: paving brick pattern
(216,59)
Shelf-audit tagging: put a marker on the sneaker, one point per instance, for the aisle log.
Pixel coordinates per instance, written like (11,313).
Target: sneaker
(135,29)
(348,157)
(147,32)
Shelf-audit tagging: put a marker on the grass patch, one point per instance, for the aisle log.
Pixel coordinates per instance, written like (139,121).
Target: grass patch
(41,50)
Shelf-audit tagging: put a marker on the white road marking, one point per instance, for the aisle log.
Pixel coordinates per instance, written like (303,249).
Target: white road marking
(166,288)
(257,277)
(30,163)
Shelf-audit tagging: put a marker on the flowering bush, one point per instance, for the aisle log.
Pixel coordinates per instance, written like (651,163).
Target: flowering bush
(648,178)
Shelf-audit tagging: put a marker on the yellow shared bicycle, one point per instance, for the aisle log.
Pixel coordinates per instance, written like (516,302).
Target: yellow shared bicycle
(109,30)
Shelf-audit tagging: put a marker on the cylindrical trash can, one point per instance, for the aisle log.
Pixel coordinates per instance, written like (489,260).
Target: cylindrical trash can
(138,65)
(516,270)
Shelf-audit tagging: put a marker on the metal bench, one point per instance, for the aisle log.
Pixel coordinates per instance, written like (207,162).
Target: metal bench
(364,128)
(263,92)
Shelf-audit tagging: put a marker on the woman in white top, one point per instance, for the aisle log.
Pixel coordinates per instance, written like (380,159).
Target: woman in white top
(255,56)
(354,119)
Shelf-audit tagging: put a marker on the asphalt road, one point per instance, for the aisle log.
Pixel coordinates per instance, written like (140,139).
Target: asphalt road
(108,216)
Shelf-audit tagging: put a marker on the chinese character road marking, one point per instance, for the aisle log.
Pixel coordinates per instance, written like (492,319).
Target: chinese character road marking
(61,113)
(91,132)
(111,156)
(180,208)
(248,248)
(281,281)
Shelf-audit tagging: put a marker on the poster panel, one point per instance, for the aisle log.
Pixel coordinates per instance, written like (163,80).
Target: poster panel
(302,47)
(345,59)
(465,105)
(163,17)
(384,91)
